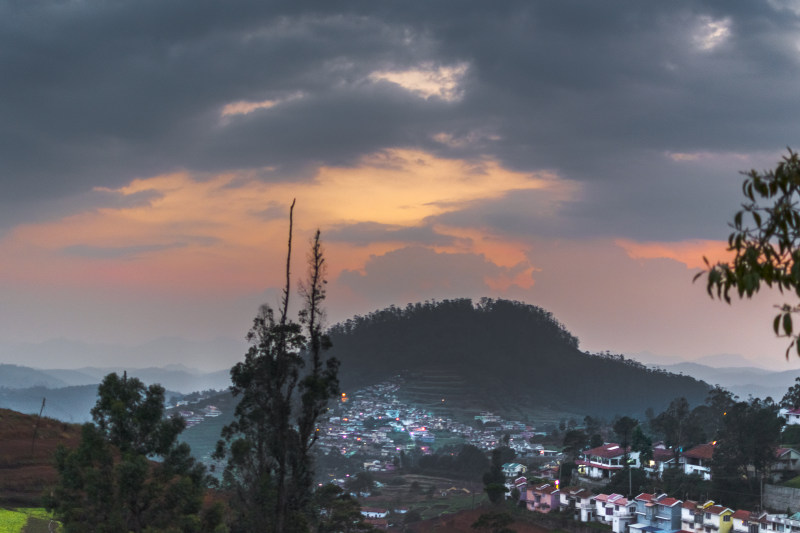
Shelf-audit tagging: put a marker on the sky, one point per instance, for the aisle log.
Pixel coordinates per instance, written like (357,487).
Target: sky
(576,155)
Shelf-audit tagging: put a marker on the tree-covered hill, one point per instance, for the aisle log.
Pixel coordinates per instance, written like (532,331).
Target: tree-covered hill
(498,352)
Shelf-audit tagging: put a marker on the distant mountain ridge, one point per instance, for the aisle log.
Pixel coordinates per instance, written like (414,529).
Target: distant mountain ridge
(506,353)
(742,381)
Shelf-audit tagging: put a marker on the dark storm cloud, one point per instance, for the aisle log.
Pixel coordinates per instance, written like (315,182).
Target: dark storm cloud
(96,93)
(364,233)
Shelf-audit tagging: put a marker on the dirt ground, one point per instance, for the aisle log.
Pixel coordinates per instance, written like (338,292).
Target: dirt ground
(26,464)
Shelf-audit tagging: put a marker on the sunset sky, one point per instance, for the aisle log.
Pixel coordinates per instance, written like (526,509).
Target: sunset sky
(580,156)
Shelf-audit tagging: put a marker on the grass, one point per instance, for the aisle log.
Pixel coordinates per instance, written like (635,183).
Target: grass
(24,520)
(12,521)
(793,483)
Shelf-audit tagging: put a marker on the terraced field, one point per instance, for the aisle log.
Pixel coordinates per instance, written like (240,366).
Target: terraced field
(26,464)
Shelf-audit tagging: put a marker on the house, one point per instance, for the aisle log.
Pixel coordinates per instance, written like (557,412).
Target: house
(616,511)
(717,519)
(602,462)
(513,470)
(697,460)
(692,515)
(744,522)
(584,504)
(779,522)
(792,416)
(568,497)
(656,513)
(663,458)
(542,498)
(786,465)
(374,512)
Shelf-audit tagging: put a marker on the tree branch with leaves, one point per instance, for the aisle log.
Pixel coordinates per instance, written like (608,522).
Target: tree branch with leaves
(766,244)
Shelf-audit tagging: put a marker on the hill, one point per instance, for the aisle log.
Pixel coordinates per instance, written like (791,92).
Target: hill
(499,355)
(69,404)
(26,466)
(742,381)
(21,377)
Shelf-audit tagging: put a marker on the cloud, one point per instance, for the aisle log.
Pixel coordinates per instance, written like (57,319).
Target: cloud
(579,89)
(117,252)
(416,273)
(364,233)
(427,80)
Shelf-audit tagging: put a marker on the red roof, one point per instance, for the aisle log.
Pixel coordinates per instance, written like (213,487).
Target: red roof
(645,497)
(613,497)
(782,451)
(669,502)
(742,514)
(689,504)
(607,451)
(662,455)
(716,509)
(701,451)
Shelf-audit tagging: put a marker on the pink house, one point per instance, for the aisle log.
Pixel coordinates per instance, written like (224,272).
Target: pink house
(542,498)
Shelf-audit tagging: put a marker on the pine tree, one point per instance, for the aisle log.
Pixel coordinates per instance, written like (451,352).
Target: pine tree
(283,385)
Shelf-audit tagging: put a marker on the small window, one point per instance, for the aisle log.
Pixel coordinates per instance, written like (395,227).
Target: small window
(726,518)
(708,516)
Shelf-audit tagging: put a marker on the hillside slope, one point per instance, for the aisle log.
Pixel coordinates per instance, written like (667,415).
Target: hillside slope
(26,465)
(499,352)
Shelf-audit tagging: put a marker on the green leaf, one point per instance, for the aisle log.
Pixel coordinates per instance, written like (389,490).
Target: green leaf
(776,324)
(787,323)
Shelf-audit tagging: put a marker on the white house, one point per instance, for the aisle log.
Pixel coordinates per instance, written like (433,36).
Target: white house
(616,511)
(374,512)
(698,460)
(602,462)
(792,416)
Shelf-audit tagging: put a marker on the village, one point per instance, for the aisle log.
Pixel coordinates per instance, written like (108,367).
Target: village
(374,425)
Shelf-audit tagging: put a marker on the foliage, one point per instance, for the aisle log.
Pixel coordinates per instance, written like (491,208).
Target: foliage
(623,427)
(338,512)
(643,444)
(575,441)
(108,483)
(792,483)
(546,361)
(791,435)
(766,242)
(791,400)
(361,482)
(494,480)
(680,485)
(284,385)
(678,426)
(630,481)
(744,451)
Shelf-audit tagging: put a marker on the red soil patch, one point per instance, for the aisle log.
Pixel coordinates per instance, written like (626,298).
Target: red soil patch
(26,466)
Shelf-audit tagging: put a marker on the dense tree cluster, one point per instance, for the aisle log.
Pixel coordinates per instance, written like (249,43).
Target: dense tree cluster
(111,483)
(461,336)
(130,474)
